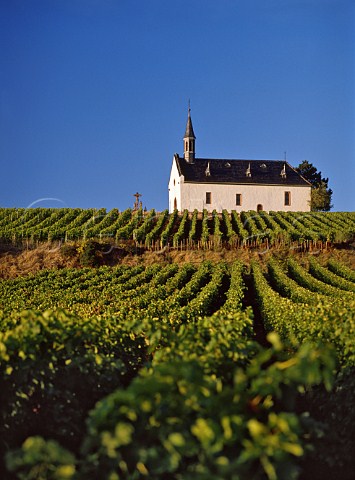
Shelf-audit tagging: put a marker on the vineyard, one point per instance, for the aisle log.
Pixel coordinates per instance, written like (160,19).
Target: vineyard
(209,370)
(154,230)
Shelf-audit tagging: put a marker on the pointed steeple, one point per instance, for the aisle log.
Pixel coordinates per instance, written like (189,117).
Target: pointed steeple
(189,139)
(189,132)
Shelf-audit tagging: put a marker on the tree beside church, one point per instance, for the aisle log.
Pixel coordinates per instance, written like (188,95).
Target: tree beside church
(321,195)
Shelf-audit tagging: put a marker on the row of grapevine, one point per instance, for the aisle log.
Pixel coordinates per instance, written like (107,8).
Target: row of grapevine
(149,228)
(341,270)
(193,233)
(183,228)
(299,306)
(180,293)
(289,288)
(304,278)
(325,275)
(183,388)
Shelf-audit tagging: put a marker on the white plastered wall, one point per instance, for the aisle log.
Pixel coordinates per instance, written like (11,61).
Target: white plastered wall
(270,197)
(174,186)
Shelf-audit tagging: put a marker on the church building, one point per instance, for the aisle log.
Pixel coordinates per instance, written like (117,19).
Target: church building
(217,184)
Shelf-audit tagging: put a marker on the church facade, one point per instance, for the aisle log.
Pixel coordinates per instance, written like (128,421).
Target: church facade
(218,184)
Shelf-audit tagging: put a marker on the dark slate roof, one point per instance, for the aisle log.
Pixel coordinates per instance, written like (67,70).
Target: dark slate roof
(265,172)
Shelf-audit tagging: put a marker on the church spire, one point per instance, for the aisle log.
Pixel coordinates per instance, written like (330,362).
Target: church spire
(189,139)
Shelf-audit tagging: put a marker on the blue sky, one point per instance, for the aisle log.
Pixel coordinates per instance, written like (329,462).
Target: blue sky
(94,93)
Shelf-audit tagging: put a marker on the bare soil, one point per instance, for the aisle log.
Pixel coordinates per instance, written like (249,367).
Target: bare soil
(22,260)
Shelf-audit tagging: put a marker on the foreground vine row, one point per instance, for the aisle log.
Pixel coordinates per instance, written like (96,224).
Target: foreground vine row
(166,361)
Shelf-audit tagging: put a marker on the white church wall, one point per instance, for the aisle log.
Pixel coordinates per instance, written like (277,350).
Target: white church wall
(174,188)
(270,197)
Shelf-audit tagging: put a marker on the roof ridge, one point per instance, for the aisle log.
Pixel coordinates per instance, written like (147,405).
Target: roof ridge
(233,171)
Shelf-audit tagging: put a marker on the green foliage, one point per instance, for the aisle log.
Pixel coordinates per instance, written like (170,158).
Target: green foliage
(113,222)
(212,296)
(184,391)
(298,273)
(329,320)
(41,460)
(182,230)
(325,275)
(249,224)
(177,422)
(286,225)
(309,172)
(153,234)
(231,234)
(139,234)
(342,270)
(90,253)
(205,234)
(193,227)
(199,279)
(321,195)
(218,343)
(238,226)
(249,228)
(290,288)
(125,232)
(333,435)
(54,367)
(166,234)
(321,198)
(217,233)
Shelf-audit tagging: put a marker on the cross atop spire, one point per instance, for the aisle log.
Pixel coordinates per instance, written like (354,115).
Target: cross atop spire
(189,139)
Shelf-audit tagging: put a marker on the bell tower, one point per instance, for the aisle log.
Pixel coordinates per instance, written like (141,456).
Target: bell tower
(189,139)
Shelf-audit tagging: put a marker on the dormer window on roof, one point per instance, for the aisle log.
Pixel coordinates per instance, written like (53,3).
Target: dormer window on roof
(227,164)
(263,166)
(208,170)
(248,171)
(283,171)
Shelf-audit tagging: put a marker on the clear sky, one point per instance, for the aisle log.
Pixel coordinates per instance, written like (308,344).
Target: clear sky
(94,93)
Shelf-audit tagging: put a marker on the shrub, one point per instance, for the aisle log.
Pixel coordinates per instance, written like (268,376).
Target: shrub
(54,367)
(41,460)
(69,250)
(177,422)
(92,253)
